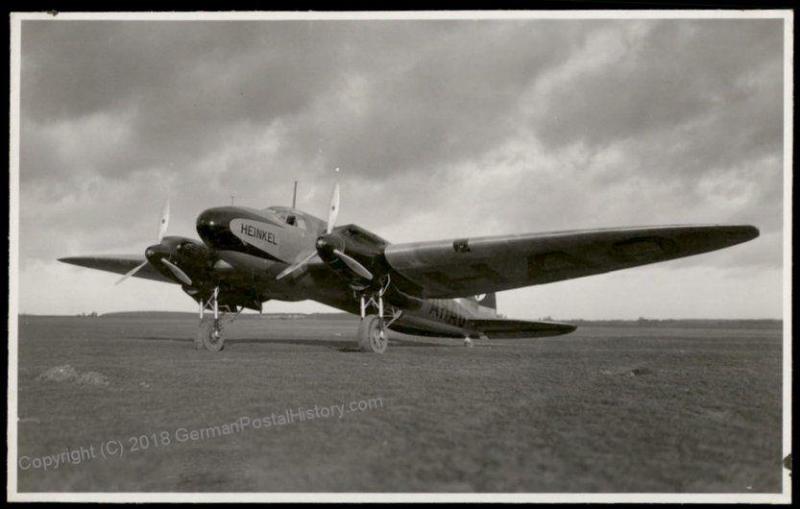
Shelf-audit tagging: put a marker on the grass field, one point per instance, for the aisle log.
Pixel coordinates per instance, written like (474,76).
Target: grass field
(686,407)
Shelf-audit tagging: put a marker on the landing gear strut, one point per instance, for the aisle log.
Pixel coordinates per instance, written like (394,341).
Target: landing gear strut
(373,331)
(209,333)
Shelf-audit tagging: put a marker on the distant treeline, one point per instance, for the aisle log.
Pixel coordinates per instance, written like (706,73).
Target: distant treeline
(646,322)
(674,322)
(243,316)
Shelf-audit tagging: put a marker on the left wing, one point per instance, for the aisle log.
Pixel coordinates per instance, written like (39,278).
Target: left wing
(464,267)
(119,264)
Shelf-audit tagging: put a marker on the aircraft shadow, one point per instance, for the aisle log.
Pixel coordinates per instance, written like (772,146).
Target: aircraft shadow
(339,345)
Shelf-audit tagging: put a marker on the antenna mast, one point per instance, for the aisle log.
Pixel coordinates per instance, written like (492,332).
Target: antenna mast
(294,195)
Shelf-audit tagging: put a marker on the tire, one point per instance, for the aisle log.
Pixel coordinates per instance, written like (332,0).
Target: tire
(372,335)
(198,337)
(212,337)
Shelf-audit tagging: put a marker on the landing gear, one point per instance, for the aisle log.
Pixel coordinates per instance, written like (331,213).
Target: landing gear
(209,333)
(198,337)
(372,335)
(373,331)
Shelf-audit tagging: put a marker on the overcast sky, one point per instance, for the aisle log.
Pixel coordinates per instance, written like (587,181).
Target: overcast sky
(442,129)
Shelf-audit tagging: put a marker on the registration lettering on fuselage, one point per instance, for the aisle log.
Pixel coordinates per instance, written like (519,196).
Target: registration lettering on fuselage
(264,236)
(440,310)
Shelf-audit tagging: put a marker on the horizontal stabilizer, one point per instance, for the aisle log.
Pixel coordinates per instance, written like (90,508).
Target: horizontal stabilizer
(515,329)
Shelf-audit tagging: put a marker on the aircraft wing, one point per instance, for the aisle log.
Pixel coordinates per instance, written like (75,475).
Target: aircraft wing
(470,266)
(119,264)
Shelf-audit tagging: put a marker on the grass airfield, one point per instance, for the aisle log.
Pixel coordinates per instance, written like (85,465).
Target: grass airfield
(668,407)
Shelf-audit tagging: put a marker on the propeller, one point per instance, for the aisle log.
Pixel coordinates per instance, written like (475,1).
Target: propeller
(162,226)
(131,272)
(333,212)
(291,268)
(325,243)
(354,265)
(181,275)
(162,230)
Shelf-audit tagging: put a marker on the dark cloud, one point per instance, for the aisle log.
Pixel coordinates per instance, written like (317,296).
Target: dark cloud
(672,73)
(442,128)
(435,91)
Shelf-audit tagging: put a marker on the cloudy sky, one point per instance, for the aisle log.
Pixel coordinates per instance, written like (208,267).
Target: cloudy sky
(442,129)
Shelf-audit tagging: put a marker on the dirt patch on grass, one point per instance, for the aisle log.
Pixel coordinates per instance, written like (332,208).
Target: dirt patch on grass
(628,371)
(93,378)
(66,373)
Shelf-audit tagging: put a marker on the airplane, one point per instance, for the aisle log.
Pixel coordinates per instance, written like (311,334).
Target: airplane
(443,288)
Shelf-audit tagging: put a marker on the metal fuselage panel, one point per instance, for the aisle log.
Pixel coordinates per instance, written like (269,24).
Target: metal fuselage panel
(262,243)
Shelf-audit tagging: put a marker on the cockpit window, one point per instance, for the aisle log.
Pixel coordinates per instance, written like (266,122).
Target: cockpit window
(292,219)
(289,217)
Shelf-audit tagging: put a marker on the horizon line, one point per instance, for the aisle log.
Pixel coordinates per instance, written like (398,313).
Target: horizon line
(344,313)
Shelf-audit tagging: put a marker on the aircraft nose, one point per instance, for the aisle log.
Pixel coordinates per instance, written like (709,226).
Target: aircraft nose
(209,223)
(208,219)
(213,226)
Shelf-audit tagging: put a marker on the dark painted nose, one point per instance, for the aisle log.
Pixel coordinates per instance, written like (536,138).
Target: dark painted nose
(213,226)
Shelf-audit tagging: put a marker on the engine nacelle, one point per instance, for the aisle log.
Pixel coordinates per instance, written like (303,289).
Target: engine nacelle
(175,255)
(355,254)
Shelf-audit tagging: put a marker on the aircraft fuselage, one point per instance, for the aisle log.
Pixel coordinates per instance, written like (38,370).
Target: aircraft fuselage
(262,243)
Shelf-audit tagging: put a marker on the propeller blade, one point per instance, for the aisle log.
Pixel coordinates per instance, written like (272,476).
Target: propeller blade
(131,272)
(354,265)
(181,275)
(162,227)
(291,268)
(162,230)
(334,210)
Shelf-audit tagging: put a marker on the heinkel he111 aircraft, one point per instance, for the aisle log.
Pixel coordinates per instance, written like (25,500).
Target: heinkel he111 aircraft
(441,288)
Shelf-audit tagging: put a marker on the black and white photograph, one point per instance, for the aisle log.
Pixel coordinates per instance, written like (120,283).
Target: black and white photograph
(445,256)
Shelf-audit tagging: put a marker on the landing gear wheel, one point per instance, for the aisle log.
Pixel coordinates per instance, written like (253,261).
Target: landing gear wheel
(372,335)
(211,335)
(201,331)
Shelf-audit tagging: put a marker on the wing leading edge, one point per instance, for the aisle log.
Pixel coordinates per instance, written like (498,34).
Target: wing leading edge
(119,264)
(463,267)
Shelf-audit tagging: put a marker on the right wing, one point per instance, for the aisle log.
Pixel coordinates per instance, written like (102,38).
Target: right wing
(119,264)
(464,267)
